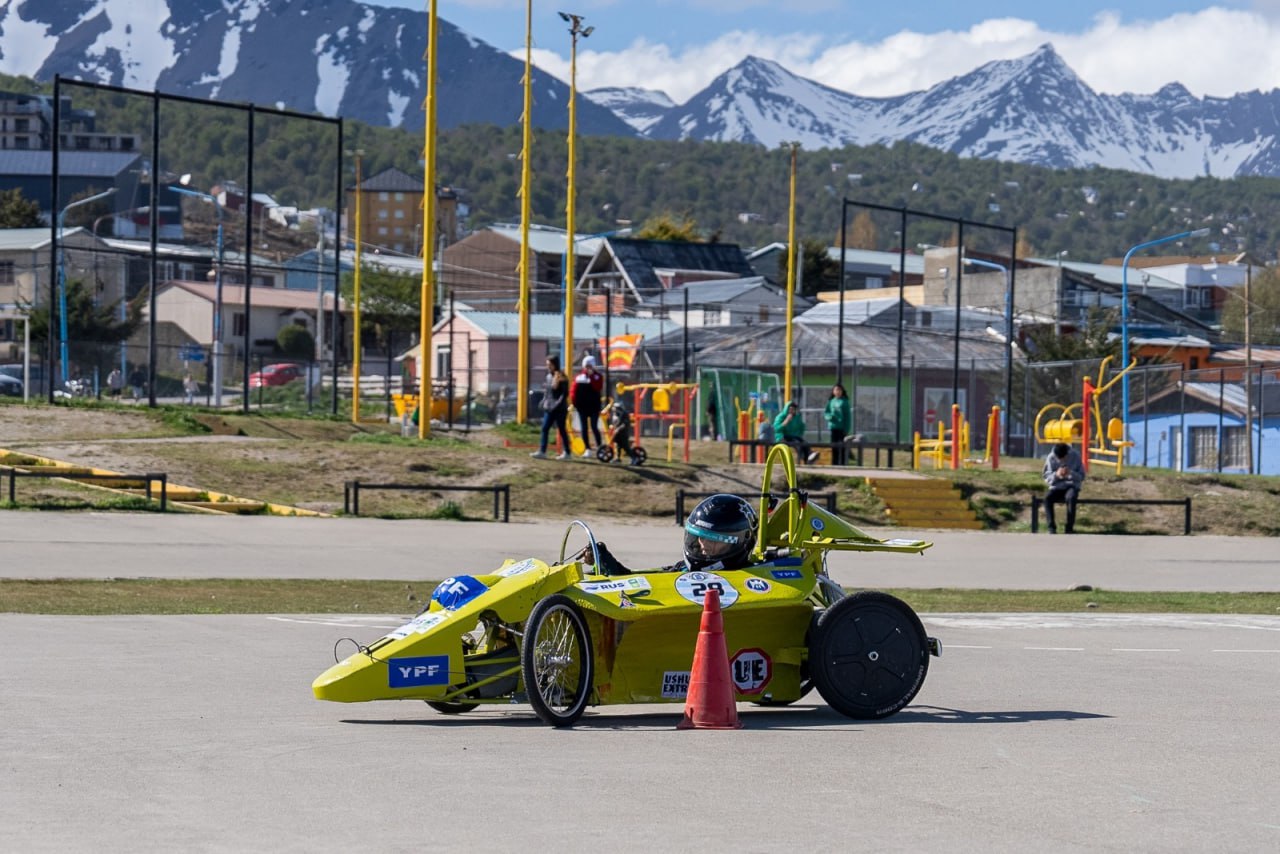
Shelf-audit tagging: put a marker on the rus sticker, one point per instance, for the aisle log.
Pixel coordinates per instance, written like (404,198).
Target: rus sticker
(621,585)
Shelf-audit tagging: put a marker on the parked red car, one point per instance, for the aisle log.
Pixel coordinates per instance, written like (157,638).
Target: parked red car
(275,375)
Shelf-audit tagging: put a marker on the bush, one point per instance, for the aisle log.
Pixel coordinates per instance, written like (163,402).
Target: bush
(296,342)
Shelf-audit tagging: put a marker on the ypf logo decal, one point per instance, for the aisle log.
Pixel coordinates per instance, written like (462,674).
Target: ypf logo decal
(694,586)
(752,669)
(453,593)
(418,671)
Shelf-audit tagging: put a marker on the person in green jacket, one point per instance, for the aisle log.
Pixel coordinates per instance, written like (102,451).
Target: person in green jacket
(839,421)
(788,427)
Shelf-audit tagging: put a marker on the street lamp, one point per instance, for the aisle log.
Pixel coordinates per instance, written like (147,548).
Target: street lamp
(1124,312)
(62,279)
(570,267)
(1008,334)
(217,287)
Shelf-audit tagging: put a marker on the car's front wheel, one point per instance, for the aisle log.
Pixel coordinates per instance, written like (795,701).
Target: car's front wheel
(556,660)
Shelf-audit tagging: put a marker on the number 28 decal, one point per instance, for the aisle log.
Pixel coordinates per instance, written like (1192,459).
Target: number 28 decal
(694,586)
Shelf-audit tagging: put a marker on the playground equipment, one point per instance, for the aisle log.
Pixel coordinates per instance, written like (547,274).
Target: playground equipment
(749,424)
(670,404)
(1081,423)
(944,451)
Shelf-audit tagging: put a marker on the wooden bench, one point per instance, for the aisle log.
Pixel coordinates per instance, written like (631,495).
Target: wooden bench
(856,445)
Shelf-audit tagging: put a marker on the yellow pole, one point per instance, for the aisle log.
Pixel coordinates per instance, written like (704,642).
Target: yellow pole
(427,299)
(571,258)
(355,332)
(526,179)
(791,272)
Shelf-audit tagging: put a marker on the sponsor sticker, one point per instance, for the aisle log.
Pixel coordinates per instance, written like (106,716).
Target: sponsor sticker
(898,541)
(784,574)
(752,669)
(419,625)
(675,684)
(418,671)
(758,585)
(453,593)
(621,585)
(694,586)
(817,524)
(517,568)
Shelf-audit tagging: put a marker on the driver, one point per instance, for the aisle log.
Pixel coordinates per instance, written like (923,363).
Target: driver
(718,535)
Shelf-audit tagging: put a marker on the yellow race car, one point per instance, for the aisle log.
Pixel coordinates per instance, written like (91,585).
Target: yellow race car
(584,631)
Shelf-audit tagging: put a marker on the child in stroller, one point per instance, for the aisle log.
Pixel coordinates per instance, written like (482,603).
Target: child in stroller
(620,438)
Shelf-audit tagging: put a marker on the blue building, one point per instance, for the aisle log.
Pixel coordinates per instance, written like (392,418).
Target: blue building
(1200,426)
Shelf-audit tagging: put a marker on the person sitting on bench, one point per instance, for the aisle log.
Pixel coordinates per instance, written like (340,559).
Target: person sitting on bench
(1063,475)
(789,427)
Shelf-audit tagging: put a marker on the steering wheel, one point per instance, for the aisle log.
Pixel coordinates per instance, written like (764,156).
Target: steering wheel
(591,541)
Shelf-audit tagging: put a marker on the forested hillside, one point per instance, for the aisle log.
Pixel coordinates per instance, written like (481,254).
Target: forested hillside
(735,192)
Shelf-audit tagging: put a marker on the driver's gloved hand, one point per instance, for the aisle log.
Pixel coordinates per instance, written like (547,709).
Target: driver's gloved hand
(610,565)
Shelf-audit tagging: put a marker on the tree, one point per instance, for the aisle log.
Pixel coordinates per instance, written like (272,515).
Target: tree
(818,270)
(1264,313)
(90,326)
(296,341)
(389,302)
(17,211)
(664,227)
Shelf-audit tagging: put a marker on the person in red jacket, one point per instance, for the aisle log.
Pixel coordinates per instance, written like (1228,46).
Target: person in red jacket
(587,394)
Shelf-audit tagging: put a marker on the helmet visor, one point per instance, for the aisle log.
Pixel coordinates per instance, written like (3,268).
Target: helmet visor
(710,545)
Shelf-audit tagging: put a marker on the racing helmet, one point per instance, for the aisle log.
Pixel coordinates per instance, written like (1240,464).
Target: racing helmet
(721,529)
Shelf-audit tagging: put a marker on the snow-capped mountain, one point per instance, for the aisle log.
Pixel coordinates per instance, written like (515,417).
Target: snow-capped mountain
(336,57)
(1031,110)
(640,108)
(343,57)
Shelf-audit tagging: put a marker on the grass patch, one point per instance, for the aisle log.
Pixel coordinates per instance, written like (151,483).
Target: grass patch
(321,596)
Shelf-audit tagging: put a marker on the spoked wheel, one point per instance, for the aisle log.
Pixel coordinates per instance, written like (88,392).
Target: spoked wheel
(869,655)
(604,453)
(445,708)
(556,660)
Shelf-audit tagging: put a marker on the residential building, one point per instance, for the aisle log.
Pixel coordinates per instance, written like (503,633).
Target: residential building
(26,122)
(728,302)
(483,269)
(391,213)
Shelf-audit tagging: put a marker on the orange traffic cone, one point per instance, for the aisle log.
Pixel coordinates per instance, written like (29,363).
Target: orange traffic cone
(710,701)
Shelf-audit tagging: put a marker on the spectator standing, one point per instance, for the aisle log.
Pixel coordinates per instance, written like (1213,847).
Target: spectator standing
(115,383)
(839,420)
(587,394)
(137,383)
(1063,475)
(555,409)
(191,388)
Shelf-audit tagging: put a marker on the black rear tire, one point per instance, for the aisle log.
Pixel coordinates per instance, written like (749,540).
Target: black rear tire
(638,456)
(604,453)
(557,661)
(869,655)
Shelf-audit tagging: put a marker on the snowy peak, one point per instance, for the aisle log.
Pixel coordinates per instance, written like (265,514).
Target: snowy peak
(1031,109)
(640,108)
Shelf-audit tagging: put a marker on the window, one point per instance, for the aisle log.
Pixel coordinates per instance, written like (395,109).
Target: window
(237,324)
(382,214)
(1235,451)
(382,231)
(444,356)
(399,197)
(187,271)
(6,272)
(1204,448)
(382,197)
(399,214)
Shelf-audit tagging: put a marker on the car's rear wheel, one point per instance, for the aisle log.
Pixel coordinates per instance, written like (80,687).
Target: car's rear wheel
(869,655)
(556,660)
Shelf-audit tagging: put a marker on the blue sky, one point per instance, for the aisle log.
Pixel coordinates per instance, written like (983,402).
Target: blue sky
(888,48)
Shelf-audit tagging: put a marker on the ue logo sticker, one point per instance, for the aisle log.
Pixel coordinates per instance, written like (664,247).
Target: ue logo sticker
(694,586)
(757,585)
(752,669)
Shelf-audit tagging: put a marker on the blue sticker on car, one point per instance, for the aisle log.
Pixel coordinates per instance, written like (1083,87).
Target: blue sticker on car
(418,671)
(453,593)
(757,585)
(786,573)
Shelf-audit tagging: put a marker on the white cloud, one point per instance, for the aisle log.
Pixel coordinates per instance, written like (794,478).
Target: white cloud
(1212,52)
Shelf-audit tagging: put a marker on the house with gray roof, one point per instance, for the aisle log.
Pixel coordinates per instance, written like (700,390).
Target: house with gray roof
(722,302)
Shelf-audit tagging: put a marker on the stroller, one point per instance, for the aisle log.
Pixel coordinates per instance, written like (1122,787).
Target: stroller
(619,442)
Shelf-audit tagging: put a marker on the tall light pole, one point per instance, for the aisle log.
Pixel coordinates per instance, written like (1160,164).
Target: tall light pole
(526,211)
(355,329)
(791,272)
(1124,313)
(1008,335)
(571,261)
(62,279)
(217,289)
(427,291)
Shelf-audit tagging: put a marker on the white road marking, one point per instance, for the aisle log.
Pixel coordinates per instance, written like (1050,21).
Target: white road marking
(1251,651)
(1141,649)
(343,622)
(1055,648)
